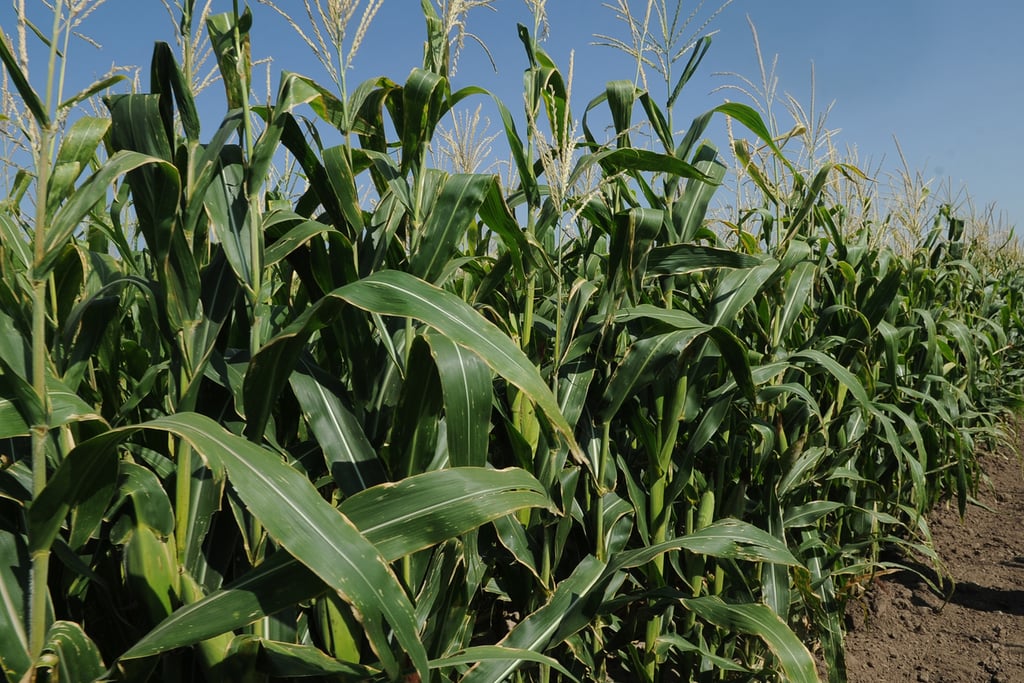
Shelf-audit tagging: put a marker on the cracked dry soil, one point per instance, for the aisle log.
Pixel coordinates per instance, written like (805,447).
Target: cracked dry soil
(901,631)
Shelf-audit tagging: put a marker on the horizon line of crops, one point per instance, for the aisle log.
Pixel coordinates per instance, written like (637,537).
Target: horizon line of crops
(564,427)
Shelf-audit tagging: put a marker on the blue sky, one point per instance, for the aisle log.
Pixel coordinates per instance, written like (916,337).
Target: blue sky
(946,77)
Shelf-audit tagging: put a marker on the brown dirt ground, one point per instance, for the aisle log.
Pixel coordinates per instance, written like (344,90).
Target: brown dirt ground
(902,631)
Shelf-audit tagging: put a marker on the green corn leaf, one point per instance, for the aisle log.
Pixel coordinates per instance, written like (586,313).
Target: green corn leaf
(151,507)
(775,577)
(284,501)
(432,507)
(288,660)
(455,208)
(28,95)
(400,294)
(83,341)
(766,186)
(151,571)
(496,214)
(671,640)
(761,621)
(297,235)
(87,475)
(423,104)
(484,653)
(466,383)
(293,92)
(843,375)
(281,581)
(621,96)
(204,168)
(22,408)
(25,407)
(644,363)
(726,538)
(414,437)
(571,607)
(697,52)
(527,177)
(69,217)
(798,291)
(66,407)
(808,514)
(78,658)
(227,203)
(829,617)
(77,149)
(680,259)
(803,469)
(14,239)
(14,591)
(94,89)
(436,52)
(738,288)
(235,68)
(512,535)
(690,210)
(342,182)
(633,159)
(809,201)
(660,124)
(204,500)
(351,459)
(295,515)
(749,117)
(167,79)
(398,519)
(680,320)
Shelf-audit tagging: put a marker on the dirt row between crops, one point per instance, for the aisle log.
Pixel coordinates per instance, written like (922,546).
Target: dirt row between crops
(903,632)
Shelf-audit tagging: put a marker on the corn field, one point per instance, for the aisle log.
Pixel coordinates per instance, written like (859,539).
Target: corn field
(273,408)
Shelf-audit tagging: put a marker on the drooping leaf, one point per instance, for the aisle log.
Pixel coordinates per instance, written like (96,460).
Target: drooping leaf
(399,519)
(69,217)
(396,293)
(466,383)
(93,89)
(77,149)
(438,505)
(295,515)
(680,259)
(28,95)
(289,660)
(484,653)
(761,621)
(570,607)
(284,501)
(78,658)
(725,538)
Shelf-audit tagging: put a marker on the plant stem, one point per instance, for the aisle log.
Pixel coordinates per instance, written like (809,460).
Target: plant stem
(40,434)
(38,588)
(659,513)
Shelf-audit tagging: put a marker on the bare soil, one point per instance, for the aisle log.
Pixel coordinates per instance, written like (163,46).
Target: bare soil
(903,631)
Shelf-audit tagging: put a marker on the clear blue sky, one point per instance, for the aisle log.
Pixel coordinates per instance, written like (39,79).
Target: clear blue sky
(944,76)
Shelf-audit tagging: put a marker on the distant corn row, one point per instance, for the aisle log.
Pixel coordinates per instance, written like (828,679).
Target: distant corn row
(564,428)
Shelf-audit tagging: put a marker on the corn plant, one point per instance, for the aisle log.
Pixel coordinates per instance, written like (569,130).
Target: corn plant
(285,409)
